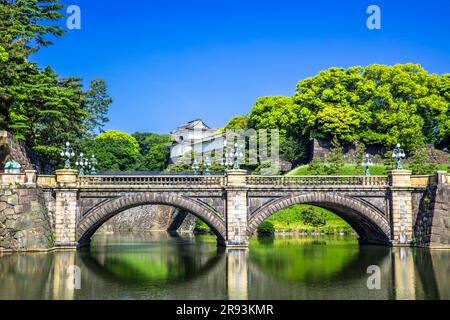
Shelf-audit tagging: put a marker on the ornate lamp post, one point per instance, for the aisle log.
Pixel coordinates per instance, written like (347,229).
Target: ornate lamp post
(398,154)
(82,163)
(195,167)
(236,155)
(67,154)
(93,162)
(367,163)
(207,164)
(227,162)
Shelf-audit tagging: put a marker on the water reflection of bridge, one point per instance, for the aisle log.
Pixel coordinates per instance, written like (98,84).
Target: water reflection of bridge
(210,273)
(236,275)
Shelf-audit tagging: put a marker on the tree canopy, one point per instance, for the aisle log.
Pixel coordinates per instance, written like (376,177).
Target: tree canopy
(36,105)
(148,140)
(154,151)
(377,105)
(237,123)
(115,151)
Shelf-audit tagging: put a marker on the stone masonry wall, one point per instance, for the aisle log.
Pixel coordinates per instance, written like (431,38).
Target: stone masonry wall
(321,149)
(24,223)
(432,226)
(149,217)
(183,221)
(13,149)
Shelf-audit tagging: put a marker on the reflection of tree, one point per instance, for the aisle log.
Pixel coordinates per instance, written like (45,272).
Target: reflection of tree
(265,240)
(312,262)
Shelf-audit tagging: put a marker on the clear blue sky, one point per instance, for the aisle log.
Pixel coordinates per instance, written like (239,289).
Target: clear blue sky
(167,62)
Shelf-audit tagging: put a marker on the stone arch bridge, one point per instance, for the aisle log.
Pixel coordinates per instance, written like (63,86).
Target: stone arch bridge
(382,210)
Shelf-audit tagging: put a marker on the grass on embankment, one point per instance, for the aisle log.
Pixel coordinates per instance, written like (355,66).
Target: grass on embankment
(347,170)
(352,170)
(293,220)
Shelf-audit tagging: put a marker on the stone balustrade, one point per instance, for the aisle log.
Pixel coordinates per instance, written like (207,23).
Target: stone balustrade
(140,181)
(18,178)
(49,181)
(423,181)
(46,181)
(302,181)
(27,177)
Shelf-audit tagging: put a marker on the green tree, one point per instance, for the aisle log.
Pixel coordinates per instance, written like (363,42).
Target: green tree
(316,167)
(335,161)
(273,113)
(360,154)
(267,168)
(313,217)
(237,123)
(36,105)
(184,163)
(266,228)
(115,151)
(25,27)
(97,106)
(421,163)
(156,159)
(148,140)
(330,104)
(4,56)
(294,150)
(443,119)
(201,227)
(47,111)
(378,105)
(388,160)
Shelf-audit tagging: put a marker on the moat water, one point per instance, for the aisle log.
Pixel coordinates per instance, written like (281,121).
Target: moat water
(160,266)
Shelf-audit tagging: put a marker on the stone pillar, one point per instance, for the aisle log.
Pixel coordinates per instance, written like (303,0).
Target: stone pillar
(66,276)
(404,274)
(401,207)
(66,209)
(236,215)
(30,177)
(442,177)
(237,274)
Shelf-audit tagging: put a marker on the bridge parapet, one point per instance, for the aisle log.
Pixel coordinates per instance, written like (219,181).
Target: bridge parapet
(145,181)
(423,181)
(46,181)
(305,181)
(28,177)
(6,178)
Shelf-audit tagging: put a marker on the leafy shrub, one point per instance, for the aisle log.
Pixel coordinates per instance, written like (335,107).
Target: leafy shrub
(266,227)
(201,227)
(421,162)
(313,217)
(316,167)
(267,168)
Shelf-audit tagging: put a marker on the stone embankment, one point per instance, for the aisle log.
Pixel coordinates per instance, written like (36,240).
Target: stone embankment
(24,220)
(150,218)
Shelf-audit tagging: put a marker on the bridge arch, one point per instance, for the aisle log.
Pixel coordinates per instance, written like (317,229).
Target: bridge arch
(97,216)
(371,226)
